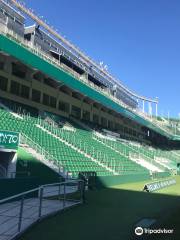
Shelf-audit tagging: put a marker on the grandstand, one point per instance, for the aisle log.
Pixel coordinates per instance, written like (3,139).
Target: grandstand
(64,117)
(73,148)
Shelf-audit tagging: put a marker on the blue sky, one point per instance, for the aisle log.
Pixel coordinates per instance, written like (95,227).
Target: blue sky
(139,40)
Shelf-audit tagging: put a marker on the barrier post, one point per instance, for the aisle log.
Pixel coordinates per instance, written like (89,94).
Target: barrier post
(64,198)
(40,201)
(21,213)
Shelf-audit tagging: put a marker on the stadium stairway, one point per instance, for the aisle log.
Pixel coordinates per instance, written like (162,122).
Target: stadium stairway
(49,130)
(60,148)
(151,158)
(69,147)
(132,155)
(125,150)
(142,158)
(83,140)
(60,154)
(40,154)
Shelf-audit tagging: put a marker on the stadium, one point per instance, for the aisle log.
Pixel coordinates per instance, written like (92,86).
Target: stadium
(81,155)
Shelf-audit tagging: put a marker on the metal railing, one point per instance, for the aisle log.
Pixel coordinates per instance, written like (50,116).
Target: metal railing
(129,152)
(44,155)
(79,145)
(106,92)
(19,212)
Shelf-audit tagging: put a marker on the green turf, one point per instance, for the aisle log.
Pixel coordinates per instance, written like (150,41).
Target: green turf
(172,190)
(109,214)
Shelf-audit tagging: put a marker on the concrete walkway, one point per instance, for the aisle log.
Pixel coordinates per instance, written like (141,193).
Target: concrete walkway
(10,211)
(56,190)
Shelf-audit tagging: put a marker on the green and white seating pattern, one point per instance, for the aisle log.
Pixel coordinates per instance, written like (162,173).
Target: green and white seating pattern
(72,160)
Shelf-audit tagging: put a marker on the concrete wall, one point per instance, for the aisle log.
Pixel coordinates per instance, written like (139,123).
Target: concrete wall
(60,93)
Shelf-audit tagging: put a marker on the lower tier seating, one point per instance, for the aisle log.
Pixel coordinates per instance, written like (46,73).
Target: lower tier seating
(75,151)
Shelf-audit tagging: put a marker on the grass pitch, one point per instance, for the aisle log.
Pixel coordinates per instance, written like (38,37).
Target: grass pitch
(112,213)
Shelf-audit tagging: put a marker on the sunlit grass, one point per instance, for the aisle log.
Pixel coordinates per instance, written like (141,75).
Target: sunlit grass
(109,214)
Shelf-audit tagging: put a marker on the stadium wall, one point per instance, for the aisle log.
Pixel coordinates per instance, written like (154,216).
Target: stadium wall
(161,175)
(27,165)
(30,174)
(112,120)
(36,62)
(10,187)
(108,181)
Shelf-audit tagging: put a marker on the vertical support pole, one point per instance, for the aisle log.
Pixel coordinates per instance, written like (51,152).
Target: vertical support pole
(91,112)
(59,167)
(143,105)
(64,198)
(21,213)
(81,113)
(59,191)
(40,201)
(149,109)
(156,109)
(82,189)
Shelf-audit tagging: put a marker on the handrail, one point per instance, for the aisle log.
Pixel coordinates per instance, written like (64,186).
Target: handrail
(39,52)
(57,183)
(42,205)
(86,59)
(18,195)
(36,50)
(140,154)
(38,188)
(77,147)
(36,144)
(43,152)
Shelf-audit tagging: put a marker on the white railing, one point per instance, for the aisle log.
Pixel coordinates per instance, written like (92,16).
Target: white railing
(44,155)
(19,212)
(129,151)
(106,92)
(83,147)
